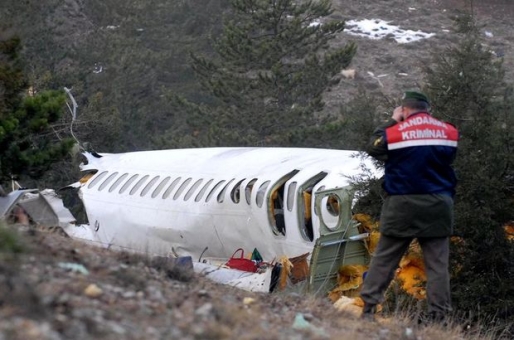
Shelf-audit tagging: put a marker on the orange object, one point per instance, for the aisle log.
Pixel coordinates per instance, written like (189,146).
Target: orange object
(349,281)
(300,268)
(287,266)
(509,231)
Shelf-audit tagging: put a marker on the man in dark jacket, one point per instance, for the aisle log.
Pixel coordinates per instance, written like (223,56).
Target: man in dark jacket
(418,151)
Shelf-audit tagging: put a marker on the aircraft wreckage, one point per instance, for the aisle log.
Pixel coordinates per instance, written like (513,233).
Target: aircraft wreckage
(288,209)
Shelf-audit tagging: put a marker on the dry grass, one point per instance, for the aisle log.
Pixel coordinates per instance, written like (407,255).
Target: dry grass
(140,292)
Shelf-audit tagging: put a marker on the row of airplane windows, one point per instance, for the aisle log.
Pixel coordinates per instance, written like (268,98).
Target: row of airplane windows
(234,194)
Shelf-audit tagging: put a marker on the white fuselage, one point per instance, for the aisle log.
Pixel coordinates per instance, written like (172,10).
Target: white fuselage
(222,198)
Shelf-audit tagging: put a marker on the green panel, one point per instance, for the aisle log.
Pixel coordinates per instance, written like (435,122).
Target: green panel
(330,253)
(342,246)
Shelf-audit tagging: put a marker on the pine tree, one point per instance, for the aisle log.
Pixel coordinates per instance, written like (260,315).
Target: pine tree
(274,62)
(467,87)
(26,140)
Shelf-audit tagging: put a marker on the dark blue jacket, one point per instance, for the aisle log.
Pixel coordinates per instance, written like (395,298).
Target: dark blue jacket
(418,154)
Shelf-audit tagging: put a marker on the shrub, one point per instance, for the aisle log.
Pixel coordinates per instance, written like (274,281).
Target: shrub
(10,243)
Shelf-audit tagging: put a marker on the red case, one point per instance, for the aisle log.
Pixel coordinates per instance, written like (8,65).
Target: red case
(240,263)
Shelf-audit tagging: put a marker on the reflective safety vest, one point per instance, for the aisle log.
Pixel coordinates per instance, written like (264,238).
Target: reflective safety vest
(420,152)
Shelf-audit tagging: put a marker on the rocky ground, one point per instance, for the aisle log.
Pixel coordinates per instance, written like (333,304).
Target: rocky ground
(59,288)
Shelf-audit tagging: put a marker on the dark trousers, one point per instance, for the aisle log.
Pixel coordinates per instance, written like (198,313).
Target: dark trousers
(385,262)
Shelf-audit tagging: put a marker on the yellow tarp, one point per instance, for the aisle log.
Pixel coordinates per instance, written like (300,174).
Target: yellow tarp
(410,275)
(349,281)
(352,305)
(287,266)
(367,225)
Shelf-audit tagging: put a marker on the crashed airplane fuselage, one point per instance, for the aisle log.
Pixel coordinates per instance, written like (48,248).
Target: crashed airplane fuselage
(278,200)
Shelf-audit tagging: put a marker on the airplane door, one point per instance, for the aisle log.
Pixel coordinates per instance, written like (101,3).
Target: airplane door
(333,207)
(340,242)
(280,218)
(289,209)
(304,211)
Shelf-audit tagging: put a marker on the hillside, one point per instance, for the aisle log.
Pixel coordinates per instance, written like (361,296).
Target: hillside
(62,289)
(119,58)
(123,59)
(399,66)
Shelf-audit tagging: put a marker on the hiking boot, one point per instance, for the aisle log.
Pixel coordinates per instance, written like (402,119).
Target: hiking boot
(433,318)
(368,312)
(438,318)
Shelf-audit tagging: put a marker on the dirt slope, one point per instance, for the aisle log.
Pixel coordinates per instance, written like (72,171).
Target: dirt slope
(62,289)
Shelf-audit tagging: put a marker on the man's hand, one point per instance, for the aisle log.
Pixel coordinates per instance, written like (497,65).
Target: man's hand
(398,114)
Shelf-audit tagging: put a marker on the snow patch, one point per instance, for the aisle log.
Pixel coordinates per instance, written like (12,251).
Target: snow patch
(315,23)
(378,29)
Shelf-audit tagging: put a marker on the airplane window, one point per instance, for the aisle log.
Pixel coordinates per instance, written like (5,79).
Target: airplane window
(221,195)
(235,194)
(87,176)
(276,203)
(139,184)
(260,194)
(202,191)
(128,183)
(161,185)
(192,190)
(305,206)
(332,205)
(305,209)
(181,188)
(213,190)
(171,187)
(330,211)
(107,181)
(248,190)
(149,185)
(117,182)
(291,191)
(97,179)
